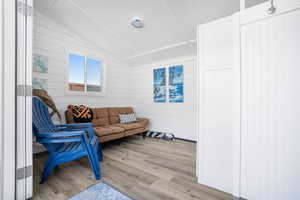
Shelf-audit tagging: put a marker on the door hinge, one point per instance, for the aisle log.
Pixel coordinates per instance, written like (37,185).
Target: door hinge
(28,90)
(24,9)
(24,172)
(24,90)
(21,90)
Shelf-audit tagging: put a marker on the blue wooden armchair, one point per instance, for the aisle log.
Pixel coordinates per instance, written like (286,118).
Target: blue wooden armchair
(65,142)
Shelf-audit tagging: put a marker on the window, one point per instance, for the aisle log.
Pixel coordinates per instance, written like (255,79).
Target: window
(85,74)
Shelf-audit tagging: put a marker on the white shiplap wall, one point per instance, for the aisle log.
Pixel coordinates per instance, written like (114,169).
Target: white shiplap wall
(54,41)
(177,118)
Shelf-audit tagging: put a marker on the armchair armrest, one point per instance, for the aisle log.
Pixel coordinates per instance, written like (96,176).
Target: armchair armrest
(88,127)
(60,134)
(59,140)
(79,125)
(60,137)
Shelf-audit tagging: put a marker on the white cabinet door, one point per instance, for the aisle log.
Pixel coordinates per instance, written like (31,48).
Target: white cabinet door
(271,108)
(219,135)
(260,11)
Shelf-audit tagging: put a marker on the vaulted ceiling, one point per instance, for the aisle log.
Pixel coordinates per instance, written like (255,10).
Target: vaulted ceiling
(106,23)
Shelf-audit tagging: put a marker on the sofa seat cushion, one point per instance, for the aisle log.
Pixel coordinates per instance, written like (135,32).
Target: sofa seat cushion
(130,126)
(108,130)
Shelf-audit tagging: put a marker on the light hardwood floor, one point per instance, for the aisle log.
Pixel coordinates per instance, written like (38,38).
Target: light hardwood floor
(148,169)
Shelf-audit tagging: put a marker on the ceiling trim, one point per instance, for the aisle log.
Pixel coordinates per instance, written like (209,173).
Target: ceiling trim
(162,49)
(174,61)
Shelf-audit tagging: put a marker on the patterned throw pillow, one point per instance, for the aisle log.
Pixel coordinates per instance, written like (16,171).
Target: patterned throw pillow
(128,118)
(82,114)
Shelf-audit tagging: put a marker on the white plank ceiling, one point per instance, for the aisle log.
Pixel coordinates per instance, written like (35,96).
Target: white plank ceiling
(169,24)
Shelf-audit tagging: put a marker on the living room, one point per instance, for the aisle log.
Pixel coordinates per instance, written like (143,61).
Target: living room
(149,100)
(124,83)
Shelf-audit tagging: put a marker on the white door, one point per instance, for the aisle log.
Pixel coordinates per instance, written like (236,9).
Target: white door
(271,108)
(219,133)
(24,130)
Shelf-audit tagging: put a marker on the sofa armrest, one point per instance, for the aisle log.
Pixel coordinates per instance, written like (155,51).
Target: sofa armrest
(143,121)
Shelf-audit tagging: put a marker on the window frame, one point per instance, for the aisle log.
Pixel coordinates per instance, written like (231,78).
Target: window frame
(85,92)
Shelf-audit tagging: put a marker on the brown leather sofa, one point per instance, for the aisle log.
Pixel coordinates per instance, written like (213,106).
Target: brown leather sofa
(107,123)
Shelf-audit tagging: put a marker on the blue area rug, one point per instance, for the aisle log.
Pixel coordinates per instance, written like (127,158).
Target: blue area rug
(100,191)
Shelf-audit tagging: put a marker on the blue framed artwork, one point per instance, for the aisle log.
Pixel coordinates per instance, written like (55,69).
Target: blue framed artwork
(40,83)
(159,85)
(176,84)
(40,63)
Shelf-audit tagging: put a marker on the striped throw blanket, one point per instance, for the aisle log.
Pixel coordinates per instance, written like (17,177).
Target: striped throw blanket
(160,135)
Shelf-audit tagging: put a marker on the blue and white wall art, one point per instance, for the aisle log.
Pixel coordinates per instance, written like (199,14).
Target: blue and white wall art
(40,63)
(40,83)
(176,84)
(159,79)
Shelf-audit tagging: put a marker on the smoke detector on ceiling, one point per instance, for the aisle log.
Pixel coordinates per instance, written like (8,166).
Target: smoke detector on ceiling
(137,22)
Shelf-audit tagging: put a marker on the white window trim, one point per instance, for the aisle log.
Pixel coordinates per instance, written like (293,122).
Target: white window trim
(85,93)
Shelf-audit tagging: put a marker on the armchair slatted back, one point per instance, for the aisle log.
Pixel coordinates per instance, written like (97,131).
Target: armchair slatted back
(41,118)
(41,121)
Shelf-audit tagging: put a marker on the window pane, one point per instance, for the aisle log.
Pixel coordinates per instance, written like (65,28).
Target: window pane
(93,75)
(250,3)
(76,72)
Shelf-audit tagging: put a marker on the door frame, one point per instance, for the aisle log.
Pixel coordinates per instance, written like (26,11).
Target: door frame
(8,95)
(24,168)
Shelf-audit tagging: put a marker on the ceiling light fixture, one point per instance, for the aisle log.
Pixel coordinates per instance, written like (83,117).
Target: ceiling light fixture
(137,22)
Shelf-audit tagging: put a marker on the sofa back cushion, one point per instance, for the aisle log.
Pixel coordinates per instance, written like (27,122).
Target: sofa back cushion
(115,111)
(101,117)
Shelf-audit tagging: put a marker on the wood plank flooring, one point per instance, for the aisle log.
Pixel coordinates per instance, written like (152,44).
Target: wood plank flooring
(148,169)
